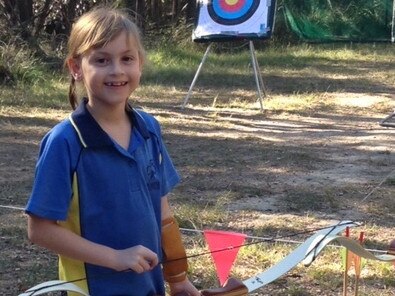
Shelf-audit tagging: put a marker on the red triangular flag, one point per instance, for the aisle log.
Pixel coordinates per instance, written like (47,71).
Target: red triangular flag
(224,247)
(357,265)
(347,261)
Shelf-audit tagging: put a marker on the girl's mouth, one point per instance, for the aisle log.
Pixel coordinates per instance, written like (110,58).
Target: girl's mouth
(115,83)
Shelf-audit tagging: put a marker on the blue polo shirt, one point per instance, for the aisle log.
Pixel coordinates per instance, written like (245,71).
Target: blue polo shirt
(106,194)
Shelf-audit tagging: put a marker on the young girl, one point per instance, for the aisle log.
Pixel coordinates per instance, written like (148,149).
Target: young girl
(99,196)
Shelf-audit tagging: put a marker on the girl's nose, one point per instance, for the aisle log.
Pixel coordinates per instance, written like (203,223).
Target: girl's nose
(116,68)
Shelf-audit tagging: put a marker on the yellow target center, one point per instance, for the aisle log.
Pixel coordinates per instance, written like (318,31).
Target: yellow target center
(231,2)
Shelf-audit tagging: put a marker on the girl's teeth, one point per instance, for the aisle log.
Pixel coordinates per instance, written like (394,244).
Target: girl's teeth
(116,83)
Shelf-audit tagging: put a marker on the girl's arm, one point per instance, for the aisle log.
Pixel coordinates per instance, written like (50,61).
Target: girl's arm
(50,235)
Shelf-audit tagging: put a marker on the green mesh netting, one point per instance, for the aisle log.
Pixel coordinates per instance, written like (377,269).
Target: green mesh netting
(336,20)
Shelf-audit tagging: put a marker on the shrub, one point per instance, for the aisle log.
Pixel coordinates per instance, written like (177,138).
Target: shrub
(18,64)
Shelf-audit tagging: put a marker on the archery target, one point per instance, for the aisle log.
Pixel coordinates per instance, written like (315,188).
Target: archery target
(233,19)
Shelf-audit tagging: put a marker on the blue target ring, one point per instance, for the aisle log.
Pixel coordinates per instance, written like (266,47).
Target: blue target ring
(232,12)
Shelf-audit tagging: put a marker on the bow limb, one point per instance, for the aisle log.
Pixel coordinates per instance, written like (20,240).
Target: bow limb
(53,286)
(237,288)
(353,246)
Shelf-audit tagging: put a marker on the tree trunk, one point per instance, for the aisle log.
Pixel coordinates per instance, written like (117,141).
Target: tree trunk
(140,13)
(191,10)
(130,4)
(69,14)
(25,8)
(174,10)
(25,11)
(43,14)
(155,10)
(393,23)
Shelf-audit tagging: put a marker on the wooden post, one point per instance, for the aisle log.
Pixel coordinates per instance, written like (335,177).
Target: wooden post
(345,276)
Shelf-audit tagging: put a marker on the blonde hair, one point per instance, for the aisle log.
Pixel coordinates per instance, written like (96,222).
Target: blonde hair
(95,29)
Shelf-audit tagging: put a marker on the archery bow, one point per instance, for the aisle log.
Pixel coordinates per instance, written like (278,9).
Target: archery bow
(306,253)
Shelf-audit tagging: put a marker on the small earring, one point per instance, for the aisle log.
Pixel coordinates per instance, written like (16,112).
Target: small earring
(77,77)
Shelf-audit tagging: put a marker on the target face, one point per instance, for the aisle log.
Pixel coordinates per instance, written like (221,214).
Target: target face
(223,20)
(232,12)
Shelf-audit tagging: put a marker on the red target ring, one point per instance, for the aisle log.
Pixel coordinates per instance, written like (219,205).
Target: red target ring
(232,6)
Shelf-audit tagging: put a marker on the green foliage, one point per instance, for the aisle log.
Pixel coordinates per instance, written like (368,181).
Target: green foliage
(177,65)
(331,20)
(26,79)
(18,64)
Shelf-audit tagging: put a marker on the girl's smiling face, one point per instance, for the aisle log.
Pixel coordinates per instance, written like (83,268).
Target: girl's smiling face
(110,73)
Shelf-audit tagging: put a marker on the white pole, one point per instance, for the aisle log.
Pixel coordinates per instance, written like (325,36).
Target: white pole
(257,74)
(196,76)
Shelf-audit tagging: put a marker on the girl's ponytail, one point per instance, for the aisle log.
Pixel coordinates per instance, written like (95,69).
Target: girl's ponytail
(73,93)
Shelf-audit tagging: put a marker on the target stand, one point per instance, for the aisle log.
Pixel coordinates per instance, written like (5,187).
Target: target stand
(261,90)
(232,20)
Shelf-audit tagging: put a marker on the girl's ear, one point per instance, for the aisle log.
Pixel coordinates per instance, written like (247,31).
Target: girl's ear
(141,63)
(74,66)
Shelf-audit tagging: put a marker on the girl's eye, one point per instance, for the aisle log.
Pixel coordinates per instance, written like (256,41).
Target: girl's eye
(128,59)
(101,61)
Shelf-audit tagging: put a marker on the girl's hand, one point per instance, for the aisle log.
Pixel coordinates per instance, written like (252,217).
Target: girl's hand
(184,288)
(138,258)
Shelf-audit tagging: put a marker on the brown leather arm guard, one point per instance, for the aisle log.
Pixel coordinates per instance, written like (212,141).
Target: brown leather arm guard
(391,249)
(175,265)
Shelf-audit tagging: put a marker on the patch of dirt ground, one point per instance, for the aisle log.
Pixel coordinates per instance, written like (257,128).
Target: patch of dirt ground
(265,173)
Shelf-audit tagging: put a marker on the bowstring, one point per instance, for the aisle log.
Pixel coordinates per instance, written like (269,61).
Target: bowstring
(377,186)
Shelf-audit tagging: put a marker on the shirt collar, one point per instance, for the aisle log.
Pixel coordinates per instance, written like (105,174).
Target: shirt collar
(92,135)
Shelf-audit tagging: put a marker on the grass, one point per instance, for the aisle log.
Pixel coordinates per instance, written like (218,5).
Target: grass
(269,174)
(175,67)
